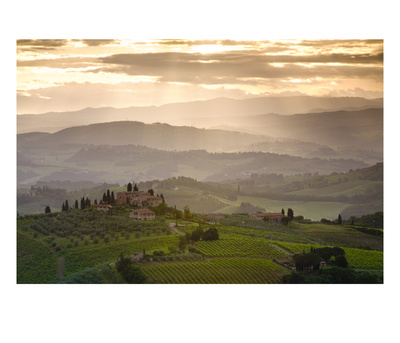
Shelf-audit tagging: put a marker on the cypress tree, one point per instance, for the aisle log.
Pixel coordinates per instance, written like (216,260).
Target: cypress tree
(83,203)
(104,198)
(129,188)
(66,205)
(76,204)
(135,188)
(108,196)
(112,197)
(339,219)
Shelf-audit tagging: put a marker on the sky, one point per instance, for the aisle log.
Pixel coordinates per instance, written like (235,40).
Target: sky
(71,74)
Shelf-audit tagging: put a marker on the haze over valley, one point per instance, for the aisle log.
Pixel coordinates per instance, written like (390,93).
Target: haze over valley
(251,125)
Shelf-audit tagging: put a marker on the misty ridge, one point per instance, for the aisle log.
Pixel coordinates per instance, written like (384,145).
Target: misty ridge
(200,114)
(221,141)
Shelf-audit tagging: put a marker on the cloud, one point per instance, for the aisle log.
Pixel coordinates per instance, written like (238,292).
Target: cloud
(40,44)
(99,42)
(215,68)
(61,62)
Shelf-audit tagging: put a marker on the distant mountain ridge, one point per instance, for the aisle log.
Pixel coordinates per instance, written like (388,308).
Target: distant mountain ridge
(357,134)
(158,136)
(188,111)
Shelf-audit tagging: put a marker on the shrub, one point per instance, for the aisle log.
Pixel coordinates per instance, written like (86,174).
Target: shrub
(210,235)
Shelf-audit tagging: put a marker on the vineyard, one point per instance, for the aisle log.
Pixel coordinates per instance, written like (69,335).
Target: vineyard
(239,246)
(35,263)
(357,258)
(217,271)
(83,246)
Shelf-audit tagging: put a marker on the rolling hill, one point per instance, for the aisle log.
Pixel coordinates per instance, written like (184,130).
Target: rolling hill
(193,113)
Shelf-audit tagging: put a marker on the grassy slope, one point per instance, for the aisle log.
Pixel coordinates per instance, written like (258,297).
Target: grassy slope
(83,264)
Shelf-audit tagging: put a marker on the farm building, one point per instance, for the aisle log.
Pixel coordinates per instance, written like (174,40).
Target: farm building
(137,256)
(139,199)
(102,207)
(142,214)
(273,217)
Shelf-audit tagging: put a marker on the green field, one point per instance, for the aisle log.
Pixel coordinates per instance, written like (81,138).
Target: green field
(83,246)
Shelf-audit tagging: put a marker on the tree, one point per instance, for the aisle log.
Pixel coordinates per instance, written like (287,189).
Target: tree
(308,260)
(151,191)
(129,188)
(210,235)
(186,212)
(136,189)
(108,196)
(76,204)
(283,212)
(341,261)
(66,205)
(196,234)
(290,213)
(104,198)
(83,203)
(47,209)
(112,197)
(133,274)
(339,219)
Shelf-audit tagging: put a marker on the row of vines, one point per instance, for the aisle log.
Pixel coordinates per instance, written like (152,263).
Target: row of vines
(217,271)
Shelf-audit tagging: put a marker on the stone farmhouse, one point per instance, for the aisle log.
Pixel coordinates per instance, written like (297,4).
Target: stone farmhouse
(138,198)
(142,214)
(273,217)
(102,207)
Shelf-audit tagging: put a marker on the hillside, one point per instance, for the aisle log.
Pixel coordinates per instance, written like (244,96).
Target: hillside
(158,136)
(192,113)
(354,193)
(350,129)
(117,163)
